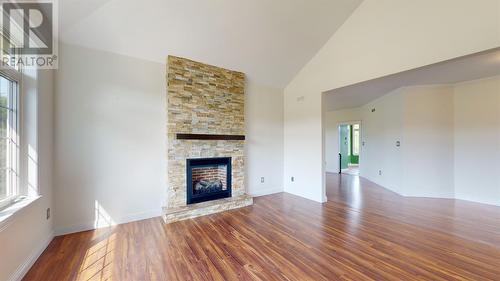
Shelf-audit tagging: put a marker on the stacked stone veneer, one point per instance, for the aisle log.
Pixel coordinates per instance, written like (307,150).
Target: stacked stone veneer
(203,99)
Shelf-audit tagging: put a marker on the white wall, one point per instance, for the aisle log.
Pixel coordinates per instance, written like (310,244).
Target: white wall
(110,136)
(303,154)
(427,144)
(264,143)
(381,37)
(380,131)
(332,121)
(26,233)
(110,139)
(477,141)
(421,119)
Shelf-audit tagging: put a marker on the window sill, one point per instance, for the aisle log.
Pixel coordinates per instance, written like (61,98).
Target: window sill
(7,214)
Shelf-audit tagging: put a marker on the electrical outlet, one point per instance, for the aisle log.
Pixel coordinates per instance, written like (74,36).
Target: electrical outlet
(262,180)
(48,213)
(379,172)
(292,179)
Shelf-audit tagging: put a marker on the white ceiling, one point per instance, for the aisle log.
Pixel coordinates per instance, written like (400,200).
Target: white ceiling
(482,65)
(269,40)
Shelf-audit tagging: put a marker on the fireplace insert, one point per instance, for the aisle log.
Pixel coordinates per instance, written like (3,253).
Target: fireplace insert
(208,179)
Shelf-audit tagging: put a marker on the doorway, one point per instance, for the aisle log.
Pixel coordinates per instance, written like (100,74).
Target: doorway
(349,148)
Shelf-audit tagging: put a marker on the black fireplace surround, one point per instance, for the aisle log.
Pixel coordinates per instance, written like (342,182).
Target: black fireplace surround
(208,179)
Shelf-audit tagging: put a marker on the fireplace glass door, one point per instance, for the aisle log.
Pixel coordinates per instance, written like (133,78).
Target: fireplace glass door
(208,179)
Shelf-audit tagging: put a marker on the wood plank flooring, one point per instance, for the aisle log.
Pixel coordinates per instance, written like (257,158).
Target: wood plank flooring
(364,232)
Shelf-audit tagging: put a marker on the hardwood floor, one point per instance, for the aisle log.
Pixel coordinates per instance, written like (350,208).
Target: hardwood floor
(364,232)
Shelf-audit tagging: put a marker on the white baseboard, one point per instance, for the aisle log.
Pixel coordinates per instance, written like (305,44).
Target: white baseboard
(74,228)
(473,200)
(28,263)
(90,225)
(265,191)
(321,199)
(435,195)
(428,195)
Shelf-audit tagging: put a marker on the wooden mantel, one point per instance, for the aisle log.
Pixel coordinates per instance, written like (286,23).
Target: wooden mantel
(209,137)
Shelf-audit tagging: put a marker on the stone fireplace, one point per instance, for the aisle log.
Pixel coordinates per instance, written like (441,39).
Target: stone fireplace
(206,138)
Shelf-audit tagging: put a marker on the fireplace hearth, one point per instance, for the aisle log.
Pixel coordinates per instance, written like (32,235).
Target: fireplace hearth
(208,179)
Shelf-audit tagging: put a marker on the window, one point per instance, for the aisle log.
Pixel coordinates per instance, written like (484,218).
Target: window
(355,137)
(9,140)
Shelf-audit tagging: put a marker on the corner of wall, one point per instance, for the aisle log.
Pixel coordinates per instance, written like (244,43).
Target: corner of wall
(31,258)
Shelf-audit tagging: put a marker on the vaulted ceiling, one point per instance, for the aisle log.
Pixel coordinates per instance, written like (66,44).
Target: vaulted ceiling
(269,40)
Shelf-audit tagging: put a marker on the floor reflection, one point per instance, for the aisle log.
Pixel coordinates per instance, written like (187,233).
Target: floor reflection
(98,262)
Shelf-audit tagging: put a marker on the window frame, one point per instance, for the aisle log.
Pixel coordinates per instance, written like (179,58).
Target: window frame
(15,76)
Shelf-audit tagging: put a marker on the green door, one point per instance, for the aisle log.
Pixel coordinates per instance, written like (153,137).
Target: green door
(344,145)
